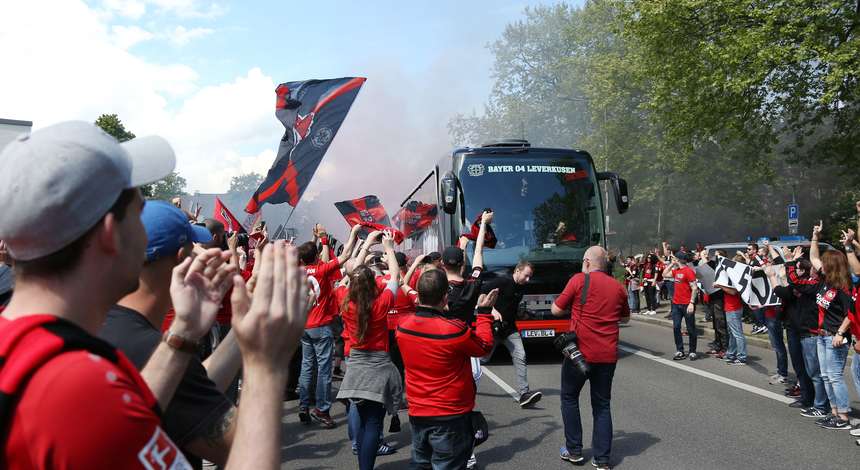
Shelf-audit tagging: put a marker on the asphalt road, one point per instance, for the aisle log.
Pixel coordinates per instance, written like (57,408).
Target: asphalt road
(664,417)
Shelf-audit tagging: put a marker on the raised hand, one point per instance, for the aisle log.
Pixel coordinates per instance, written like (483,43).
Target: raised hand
(233,241)
(196,289)
(816,229)
(387,241)
(488,299)
(487,217)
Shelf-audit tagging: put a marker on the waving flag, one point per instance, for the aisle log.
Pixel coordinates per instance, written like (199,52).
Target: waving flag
(312,111)
(415,217)
(223,215)
(368,212)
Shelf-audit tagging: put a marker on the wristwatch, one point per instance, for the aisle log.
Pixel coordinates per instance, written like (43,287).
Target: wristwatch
(179,343)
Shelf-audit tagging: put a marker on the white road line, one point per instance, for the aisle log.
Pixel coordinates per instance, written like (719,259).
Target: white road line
(501,383)
(733,383)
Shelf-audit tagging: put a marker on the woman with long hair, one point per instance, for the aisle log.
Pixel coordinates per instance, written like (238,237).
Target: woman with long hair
(834,305)
(371,383)
(649,283)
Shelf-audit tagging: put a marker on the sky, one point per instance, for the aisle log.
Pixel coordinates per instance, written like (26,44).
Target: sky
(203,75)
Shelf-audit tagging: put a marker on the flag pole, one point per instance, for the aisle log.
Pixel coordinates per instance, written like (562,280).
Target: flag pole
(290,216)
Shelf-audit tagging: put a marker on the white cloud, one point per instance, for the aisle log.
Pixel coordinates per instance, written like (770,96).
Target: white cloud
(127,36)
(133,9)
(190,8)
(181,36)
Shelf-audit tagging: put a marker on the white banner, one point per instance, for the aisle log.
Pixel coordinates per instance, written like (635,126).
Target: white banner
(753,286)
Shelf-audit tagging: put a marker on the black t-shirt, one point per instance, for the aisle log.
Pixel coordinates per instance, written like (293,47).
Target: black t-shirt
(508,303)
(196,406)
(463,297)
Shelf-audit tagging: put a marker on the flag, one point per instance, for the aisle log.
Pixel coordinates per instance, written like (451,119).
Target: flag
(489,235)
(363,209)
(415,217)
(223,215)
(312,112)
(373,226)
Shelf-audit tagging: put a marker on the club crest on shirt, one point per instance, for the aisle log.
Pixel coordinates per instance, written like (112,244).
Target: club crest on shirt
(160,453)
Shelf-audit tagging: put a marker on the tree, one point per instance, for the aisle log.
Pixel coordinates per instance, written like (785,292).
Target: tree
(171,186)
(246,183)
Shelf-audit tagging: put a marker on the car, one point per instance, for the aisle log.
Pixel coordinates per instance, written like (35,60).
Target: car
(733,247)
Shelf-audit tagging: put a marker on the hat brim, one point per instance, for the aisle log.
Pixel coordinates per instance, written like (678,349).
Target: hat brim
(200,234)
(151,158)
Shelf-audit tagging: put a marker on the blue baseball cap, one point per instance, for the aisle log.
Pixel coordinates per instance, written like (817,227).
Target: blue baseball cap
(168,230)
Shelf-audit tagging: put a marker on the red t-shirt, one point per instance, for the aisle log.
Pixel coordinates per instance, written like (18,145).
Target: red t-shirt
(325,275)
(732,302)
(404,304)
(81,411)
(683,291)
(596,322)
(376,336)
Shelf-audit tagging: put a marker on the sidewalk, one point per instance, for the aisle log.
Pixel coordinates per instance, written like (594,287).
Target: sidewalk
(702,327)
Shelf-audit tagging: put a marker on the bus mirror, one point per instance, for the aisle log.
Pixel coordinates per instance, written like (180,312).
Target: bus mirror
(448,192)
(622,199)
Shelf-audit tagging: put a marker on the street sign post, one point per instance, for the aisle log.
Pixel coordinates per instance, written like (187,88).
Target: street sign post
(793,218)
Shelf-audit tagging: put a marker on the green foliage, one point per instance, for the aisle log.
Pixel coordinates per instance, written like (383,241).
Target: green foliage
(111,124)
(171,186)
(247,183)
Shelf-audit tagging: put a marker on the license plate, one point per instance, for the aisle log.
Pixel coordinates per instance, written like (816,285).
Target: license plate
(538,333)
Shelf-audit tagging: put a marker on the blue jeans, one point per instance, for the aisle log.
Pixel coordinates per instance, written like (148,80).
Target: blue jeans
(855,369)
(633,299)
(832,362)
(737,341)
(813,370)
(600,376)
(679,312)
(514,343)
(370,417)
(795,352)
(317,344)
(758,316)
(774,333)
(441,444)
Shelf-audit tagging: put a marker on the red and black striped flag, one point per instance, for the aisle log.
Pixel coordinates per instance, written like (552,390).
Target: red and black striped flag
(312,111)
(367,211)
(415,217)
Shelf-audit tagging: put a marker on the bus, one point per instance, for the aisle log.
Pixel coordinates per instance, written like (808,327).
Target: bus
(548,209)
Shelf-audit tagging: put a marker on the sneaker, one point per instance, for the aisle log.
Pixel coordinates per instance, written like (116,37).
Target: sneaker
(693,356)
(729,359)
(793,392)
(472,462)
(529,398)
(822,421)
(777,379)
(600,466)
(576,459)
(797,404)
(385,449)
(323,418)
(738,362)
(812,412)
(836,423)
(304,417)
(679,356)
(855,431)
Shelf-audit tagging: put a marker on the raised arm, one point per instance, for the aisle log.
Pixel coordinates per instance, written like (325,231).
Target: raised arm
(418,260)
(814,255)
(848,244)
(350,243)
(478,259)
(393,268)
(371,240)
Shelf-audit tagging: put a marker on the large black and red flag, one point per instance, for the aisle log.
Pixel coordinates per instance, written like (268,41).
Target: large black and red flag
(415,217)
(368,212)
(312,111)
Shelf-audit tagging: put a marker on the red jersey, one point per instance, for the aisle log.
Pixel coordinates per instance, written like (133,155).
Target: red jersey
(325,275)
(683,291)
(732,302)
(404,304)
(436,355)
(80,387)
(596,321)
(376,336)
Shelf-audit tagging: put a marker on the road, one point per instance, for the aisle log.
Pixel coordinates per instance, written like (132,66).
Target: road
(687,415)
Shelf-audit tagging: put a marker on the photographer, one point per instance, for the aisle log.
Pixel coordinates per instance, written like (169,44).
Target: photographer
(596,303)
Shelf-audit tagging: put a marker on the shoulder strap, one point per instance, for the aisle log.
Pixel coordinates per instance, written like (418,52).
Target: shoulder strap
(585,285)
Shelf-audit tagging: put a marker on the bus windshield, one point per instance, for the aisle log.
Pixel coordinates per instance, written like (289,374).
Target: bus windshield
(546,209)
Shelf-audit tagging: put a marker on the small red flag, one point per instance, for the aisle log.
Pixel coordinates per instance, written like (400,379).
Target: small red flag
(223,215)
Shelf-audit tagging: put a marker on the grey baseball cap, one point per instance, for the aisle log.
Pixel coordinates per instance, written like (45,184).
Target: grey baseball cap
(59,181)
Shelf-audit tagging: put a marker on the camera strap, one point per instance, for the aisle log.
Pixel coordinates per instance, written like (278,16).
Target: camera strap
(583,296)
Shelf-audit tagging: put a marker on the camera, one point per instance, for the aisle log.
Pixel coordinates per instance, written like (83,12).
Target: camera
(567,345)
(499,326)
(242,239)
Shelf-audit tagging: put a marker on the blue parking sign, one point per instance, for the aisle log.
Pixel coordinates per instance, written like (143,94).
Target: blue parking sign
(793,212)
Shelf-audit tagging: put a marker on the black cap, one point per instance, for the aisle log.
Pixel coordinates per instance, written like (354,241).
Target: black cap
(684,256)
(453,256)
(433,256)
(401,259)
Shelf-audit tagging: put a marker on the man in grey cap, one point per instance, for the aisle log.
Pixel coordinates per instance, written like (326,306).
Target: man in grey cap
(71,220)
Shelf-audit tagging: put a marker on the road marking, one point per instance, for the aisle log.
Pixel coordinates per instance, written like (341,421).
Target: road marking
(733,383)
(501,383)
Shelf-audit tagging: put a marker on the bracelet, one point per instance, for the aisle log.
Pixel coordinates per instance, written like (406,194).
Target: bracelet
(179,343)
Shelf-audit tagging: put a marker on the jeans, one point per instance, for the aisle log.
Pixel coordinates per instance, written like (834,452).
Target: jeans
(774,332)
(367,432)
(813,370)
(855,369)
(670,290)
(633,299)
(719,321)
(795,353)
(572,381)
(758,316)
(737,341)
(679,312)
(832,362)
(441,444)
(651,297)
(317,344)
(514,343)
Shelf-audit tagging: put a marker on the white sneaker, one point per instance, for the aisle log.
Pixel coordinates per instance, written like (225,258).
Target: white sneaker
(855,431)
(470,464)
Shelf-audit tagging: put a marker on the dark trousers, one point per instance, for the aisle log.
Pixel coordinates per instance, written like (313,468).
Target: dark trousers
(441,444)
(370,416)
(721,334)
(679,312)
(396,358)
(572,381)
(795,353)
(651,297)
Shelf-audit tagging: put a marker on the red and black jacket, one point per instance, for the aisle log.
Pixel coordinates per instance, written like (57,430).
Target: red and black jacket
(436,352)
